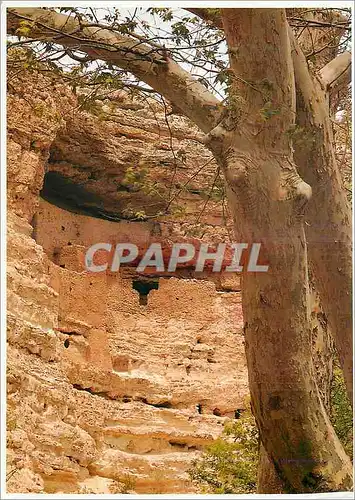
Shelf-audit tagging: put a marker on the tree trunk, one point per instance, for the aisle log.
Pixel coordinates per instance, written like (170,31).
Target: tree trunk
(267,198)
(328,217)
(322,356)
(334,75)
(328,228)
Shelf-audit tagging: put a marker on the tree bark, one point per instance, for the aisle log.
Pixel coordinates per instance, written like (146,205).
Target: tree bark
(268,480)
(322,355)
(328,216)
(267,198)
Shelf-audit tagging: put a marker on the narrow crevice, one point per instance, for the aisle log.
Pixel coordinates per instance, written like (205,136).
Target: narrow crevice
(34,227)
(72,332)
(163,404)
(176,444)
(92,392)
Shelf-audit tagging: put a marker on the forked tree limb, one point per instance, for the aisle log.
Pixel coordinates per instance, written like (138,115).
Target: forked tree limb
(328,217)
(337,73)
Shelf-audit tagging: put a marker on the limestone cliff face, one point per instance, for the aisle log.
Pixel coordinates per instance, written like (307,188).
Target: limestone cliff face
(110,387)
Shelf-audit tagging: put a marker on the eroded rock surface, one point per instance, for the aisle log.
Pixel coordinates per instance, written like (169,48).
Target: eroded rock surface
(105,390)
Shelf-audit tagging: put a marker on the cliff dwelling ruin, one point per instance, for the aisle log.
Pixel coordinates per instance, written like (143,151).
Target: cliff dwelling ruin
(117,374)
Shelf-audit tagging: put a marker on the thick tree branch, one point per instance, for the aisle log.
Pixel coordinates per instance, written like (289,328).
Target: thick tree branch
(328,216)
(210,16)
(337,73)
(149,64)
(316,23)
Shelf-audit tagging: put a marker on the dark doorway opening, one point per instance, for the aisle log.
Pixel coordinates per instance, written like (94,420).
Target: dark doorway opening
(238,413)
(143,287)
